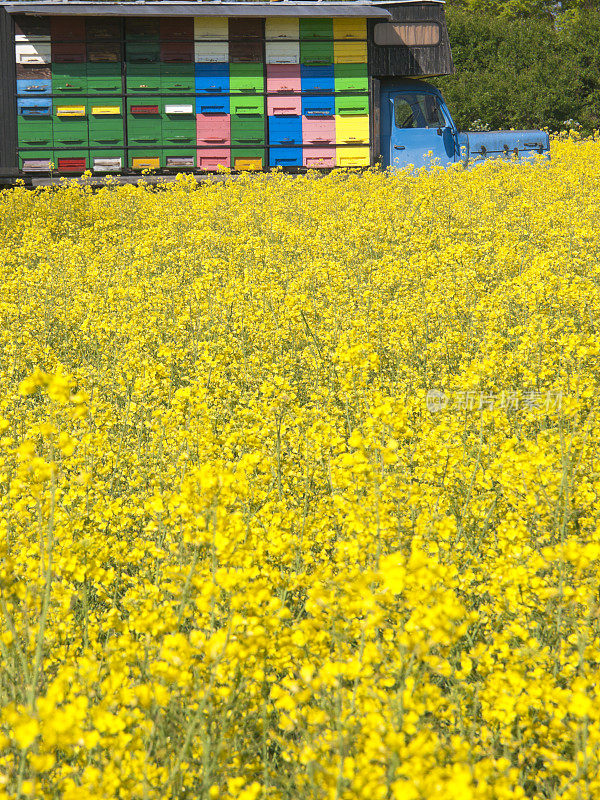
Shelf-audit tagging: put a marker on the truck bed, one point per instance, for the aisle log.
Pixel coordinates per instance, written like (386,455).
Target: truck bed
(477,146)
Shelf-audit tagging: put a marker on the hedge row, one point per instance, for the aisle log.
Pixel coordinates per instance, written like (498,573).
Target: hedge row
(524,73)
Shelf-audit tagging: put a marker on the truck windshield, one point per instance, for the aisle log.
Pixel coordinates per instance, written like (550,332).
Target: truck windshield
(414,110)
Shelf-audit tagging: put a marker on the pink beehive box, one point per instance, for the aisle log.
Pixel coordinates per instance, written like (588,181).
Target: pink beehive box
(211,159)
(318,157)
(318,131)
(284,106)
(213,129)
(283,78)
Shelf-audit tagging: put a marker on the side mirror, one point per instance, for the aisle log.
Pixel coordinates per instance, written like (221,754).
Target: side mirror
(440,132)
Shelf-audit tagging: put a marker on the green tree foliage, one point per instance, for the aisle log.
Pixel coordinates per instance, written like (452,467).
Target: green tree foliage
(522,9)
(508,9)
(539,72)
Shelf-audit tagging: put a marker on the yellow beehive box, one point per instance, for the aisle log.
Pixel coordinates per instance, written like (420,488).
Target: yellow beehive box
(211,28)
(248,163)
(282,28)
(349,28)
(106,110)
(350,52)
(147,162)
(352,130)
(70,111)
(352,157)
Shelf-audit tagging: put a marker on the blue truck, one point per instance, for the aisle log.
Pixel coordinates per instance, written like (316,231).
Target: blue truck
(417,129)
(160,87)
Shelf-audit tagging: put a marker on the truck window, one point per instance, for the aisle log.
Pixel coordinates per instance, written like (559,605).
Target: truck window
(414,110)
(411,34)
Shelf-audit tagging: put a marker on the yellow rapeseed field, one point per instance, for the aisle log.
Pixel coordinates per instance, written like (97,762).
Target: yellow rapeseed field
(244,553)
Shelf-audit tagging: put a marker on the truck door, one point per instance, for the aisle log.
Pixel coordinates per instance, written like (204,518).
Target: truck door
(416,128)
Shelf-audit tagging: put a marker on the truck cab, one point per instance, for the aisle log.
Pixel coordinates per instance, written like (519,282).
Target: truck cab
(416,126)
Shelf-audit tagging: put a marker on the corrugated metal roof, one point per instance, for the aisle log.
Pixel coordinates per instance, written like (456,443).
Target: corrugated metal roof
(284,8)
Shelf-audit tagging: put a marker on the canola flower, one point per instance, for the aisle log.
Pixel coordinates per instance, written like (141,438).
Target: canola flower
(241,557)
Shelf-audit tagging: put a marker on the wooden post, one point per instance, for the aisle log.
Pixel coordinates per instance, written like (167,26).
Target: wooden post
(8,101)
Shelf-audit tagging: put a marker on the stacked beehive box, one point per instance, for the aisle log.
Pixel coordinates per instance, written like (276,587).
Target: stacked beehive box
(109,93)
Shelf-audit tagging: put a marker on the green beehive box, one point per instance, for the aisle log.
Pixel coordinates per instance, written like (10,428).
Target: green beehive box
(179,137)
(106,137)
(247,131)
(70,123)
(351,105)
(142,29)
(246,78)
(142,53)
(69,79)
(316,54)
(351,77)
(35,133)
(105,110)
(104,79)
(247,106)
(143,78)
(144,129)
(177,78)
(106,127)
(138,138)
(316,28)
(72,136)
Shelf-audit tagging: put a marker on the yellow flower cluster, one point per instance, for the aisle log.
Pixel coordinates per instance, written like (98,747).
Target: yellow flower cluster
(300,487)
